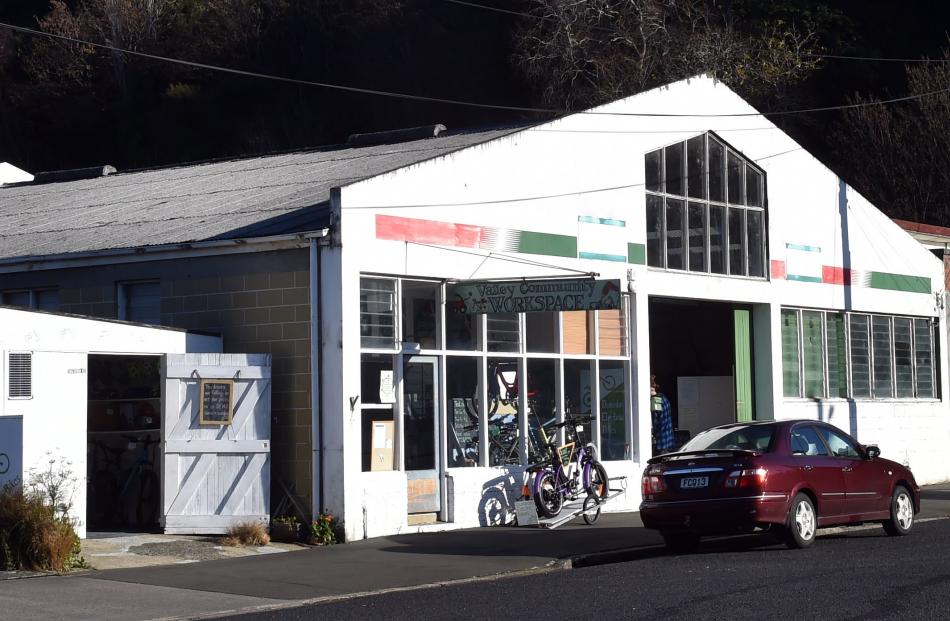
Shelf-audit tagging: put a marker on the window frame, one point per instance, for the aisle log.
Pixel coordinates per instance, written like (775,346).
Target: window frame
(742,206)
(934,362)
(33,292)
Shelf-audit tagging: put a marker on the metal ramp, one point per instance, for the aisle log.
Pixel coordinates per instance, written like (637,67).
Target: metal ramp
(588,507)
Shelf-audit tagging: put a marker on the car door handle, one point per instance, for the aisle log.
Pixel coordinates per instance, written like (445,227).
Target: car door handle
(847,469)
(807,467)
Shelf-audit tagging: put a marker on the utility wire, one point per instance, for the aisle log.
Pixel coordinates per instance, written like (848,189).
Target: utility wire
(485,7)
(525,199)
(457,102)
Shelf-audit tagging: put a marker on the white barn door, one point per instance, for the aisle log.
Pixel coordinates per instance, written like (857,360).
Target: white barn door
(215,473)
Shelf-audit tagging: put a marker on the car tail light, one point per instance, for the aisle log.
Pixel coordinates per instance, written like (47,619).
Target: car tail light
(748,477)
(652,484)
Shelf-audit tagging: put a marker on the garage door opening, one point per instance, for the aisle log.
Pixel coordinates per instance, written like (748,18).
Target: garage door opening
(701,355)
(124,435)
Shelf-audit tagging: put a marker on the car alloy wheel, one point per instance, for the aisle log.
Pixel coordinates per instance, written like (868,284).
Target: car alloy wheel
(902,513)
(802,523)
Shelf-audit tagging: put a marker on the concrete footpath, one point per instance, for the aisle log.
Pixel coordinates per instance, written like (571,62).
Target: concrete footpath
(224,587)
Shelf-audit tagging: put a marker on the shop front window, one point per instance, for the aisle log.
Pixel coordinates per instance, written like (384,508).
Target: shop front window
(541,404)
(462,401)
(378,313)
(504,332)
(461,329)
(420,305)
(613,414)
(503,414)
(613,332)
(577,332)
(577,392)
(377,396)
(541,331)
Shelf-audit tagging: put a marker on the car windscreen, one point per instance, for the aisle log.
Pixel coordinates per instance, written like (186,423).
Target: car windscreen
(746,438)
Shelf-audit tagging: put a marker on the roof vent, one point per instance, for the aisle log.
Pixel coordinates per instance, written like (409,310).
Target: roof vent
(395,135)
(74,174)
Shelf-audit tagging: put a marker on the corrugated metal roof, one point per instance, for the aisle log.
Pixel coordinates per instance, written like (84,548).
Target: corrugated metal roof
(252,197)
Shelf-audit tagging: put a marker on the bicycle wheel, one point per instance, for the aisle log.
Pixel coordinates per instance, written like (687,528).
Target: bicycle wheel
(547,496)
(591,509)
(146,511)
(597,483)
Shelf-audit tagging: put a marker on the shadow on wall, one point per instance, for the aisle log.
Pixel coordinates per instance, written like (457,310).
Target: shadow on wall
(827,417)
(497,505)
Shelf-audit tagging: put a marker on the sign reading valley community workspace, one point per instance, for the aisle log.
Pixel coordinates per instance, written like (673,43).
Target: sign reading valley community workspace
(536,296)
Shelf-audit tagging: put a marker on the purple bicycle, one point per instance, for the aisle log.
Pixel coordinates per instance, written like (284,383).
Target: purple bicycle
(572,470)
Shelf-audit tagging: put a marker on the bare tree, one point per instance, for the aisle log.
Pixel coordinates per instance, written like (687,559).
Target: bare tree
(584,52)
(898,155)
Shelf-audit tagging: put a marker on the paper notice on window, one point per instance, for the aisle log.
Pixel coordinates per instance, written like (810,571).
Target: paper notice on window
(380,439)
(387,393)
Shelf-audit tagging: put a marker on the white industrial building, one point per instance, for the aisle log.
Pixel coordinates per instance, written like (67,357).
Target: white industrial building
(472,287)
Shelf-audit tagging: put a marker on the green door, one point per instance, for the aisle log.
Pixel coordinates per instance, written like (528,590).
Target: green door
(743,365)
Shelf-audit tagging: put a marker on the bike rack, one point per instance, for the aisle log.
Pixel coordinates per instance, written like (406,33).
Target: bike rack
(575,508)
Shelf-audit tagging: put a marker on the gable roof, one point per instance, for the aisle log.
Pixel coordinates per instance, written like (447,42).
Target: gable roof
(242,198)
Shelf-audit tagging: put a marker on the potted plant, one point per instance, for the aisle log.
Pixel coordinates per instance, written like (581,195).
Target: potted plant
(323,530)
(285,528)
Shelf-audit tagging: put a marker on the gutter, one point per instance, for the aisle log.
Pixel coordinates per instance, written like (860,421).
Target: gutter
(163,252)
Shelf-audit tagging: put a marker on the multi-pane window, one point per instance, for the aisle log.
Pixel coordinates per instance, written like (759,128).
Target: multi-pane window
(41,299)
(378,313)
(705,209)
(838,355)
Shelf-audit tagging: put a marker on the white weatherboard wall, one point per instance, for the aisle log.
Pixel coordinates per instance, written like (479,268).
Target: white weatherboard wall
(562,177)
(55,418)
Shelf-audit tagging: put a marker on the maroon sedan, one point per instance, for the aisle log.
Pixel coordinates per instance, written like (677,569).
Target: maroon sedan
(789,477)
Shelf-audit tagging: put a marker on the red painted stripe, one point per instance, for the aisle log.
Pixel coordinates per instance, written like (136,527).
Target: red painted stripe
(832,275)
(427,231)
(778,269)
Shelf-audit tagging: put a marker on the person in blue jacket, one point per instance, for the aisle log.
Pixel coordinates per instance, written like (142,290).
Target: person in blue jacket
(663,439)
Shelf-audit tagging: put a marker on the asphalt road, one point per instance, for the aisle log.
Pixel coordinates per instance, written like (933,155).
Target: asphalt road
(858,574)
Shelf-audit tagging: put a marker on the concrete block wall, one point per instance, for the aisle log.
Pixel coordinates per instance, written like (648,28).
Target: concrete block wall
(258,303)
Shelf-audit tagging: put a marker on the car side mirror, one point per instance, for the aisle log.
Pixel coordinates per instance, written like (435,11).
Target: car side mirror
(872,451)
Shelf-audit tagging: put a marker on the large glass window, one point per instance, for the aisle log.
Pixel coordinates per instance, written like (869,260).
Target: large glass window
(504,332)
(721,229)
(860,356)
(420,304)
(578,390)
(613,417)
(541,405)
(883,386)
(378,313)
(791,364)
(541,332)
(377,396)
(813,354)
(462,398)
(840,355)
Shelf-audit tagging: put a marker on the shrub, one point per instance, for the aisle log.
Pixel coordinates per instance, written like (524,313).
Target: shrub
(285,528)
(32,534)
(246,534)
(324,530)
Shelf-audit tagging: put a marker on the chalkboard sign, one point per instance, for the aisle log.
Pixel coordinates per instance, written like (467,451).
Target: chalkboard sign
(217,399)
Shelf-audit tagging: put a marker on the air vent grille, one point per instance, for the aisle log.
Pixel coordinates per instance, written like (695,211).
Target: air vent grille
(21,376)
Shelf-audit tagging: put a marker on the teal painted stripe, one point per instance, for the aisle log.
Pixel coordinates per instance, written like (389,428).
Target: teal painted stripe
(803,278)
(607,221)
(900,282)
(805,248)
(602,257)
(637,253)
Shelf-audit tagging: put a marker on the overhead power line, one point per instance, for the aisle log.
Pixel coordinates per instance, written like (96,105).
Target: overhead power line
(457,102)
(485,7)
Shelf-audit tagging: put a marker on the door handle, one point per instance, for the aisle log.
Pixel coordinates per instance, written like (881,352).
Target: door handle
(807,467)
(847,469)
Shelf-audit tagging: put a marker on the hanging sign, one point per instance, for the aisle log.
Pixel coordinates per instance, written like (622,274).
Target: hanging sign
(536,296)
(217,401)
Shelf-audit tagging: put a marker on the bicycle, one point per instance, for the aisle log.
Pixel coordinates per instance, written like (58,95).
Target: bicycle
(569,471)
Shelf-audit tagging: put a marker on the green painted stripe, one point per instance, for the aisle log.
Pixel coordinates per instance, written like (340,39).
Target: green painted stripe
(805,248)
(803,278)
(548,244)
(607,221)
(602,257)
(637,253)
(900,282)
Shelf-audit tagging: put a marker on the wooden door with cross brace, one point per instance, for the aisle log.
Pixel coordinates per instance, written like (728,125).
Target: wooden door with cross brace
(215,441)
